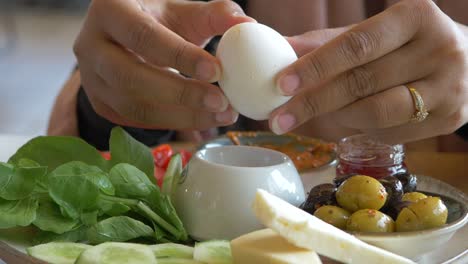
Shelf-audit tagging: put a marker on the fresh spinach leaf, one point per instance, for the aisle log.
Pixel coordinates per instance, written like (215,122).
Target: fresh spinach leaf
(27,163)
(92,173)
(49,218)
(74,235)
(126,149)
(53,151)
(74,194)
(17,213)
(16,182)
(118,229)
(161,235)
(112,208)
(174,219)
(162,204)
(41,179)
(89,218)
(129,181)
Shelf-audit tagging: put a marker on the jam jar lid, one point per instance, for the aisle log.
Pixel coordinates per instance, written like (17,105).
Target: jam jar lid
(367,150)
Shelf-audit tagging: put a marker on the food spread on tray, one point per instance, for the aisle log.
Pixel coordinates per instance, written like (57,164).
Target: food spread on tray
(91,207)
(306,153)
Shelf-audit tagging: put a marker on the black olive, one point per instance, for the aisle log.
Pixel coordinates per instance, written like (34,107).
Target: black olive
(322,194)
(394,189)
(394,209)
(409,181)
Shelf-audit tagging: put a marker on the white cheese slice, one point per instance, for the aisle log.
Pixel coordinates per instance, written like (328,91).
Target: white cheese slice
(268,247)
(307,231)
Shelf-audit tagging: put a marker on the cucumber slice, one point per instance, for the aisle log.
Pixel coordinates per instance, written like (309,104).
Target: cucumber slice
(57,252)
(178,261)
(213,252)
(172,175)
(117,253)
(172,250)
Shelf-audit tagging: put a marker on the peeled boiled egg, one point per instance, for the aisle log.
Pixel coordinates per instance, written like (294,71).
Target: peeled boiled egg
(251,55)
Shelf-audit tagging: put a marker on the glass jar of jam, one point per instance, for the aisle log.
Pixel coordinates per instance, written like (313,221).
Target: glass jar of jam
(362,154)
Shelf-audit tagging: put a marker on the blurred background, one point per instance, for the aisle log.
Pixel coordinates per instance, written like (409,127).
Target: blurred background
(36,38)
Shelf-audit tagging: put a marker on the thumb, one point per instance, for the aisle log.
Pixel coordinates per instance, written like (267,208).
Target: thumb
(198,22)
(312,40)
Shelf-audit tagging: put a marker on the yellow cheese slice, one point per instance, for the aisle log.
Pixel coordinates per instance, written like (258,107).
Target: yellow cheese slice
(307,231)
(267,247)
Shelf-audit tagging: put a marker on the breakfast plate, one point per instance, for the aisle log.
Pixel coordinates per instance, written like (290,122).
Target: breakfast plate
(455,251)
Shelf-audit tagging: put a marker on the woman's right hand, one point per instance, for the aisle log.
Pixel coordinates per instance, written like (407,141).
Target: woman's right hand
(127,49)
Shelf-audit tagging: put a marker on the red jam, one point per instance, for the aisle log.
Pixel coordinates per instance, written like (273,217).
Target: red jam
(361,154)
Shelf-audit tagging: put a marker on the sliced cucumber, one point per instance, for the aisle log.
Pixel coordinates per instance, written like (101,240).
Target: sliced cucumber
(57,252)
(172,250)
(172,175)
(178,261)
(213,252)
(117,253)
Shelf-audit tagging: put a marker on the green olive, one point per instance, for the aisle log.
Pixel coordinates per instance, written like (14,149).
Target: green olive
(413,197)
(425,213)
(333,215)
(361,192)
(370,220)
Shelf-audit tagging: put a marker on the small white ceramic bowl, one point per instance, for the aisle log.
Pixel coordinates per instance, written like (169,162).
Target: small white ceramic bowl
(415,245)
(214,196)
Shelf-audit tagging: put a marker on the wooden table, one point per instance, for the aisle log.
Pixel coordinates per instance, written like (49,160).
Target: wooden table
(451,168)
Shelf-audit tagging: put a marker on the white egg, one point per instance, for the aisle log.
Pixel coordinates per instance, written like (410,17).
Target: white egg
(251,56)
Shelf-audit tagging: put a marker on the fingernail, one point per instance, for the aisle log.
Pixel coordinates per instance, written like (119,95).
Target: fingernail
(288,84)
(237,11)
(215,102)
(226,117)
(207,71)
(282,123)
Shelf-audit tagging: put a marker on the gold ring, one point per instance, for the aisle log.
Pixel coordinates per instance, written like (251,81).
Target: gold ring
(421,112)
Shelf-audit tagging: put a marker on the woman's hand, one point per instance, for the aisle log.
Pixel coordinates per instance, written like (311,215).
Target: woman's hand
(128,48)
(361,78)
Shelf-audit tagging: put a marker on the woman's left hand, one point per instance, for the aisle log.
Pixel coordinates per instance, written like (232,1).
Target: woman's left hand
(361,79)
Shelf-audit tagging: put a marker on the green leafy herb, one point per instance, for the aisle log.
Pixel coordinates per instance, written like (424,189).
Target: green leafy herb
(92,173)
(118,228)
(64,187)
(162,203)
(89,218)
(41,178)
(18,182)
(129,181)
(74,235)
(17,213)
(53,151)
(74,194)
(49,218)
(113,208)
(125,149)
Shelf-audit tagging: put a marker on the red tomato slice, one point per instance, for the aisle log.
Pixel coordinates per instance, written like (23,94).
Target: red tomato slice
(186,156)
(106,155)
(162,155)
(159,175)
